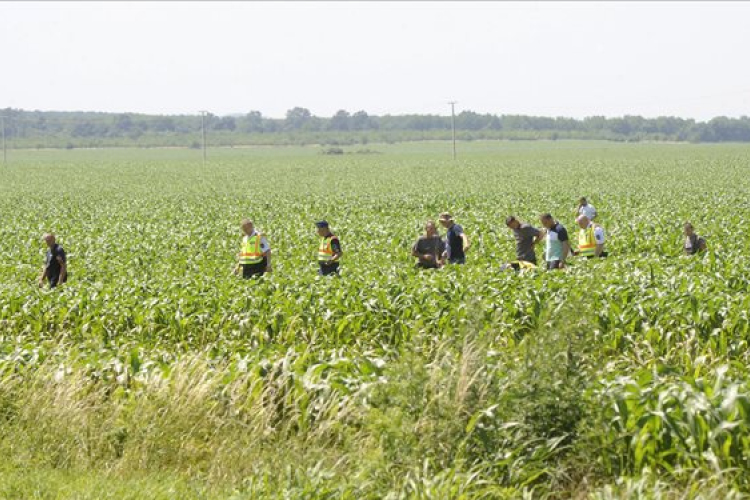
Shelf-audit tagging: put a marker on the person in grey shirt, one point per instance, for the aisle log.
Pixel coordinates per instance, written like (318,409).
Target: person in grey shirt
(527,236)
(429,248)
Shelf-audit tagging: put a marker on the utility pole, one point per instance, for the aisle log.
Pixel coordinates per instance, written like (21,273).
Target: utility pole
(203,133)
(453,125)
(5,150)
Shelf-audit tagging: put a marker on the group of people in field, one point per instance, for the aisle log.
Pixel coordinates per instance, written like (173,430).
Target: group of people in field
(431,250)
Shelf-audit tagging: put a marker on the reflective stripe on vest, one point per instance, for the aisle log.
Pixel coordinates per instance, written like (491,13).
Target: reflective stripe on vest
(250,252)
(587,242)
(325,250)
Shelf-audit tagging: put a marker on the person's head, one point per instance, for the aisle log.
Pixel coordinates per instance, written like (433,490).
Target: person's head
(547,221)
(323,228)
(688,228)
(582,202)
(582,221)
(49,239)
(512,222)
(430,229)
(247,226)
(446,220)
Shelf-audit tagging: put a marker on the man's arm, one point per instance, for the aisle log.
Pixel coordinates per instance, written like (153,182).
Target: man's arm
(267,255)
(414,251)
(265,249)
(466,242)
(441,254)
(599,238)
(538,236)
(43,277)
(63,269)
(566,252)
(337,252)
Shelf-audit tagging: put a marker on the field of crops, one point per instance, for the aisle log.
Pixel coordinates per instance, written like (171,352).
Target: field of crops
(156,373)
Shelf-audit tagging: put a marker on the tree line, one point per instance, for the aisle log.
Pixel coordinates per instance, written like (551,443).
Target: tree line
(300,126)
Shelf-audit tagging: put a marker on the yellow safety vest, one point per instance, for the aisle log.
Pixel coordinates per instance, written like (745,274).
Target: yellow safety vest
(325,251)
(587,242)
(250,252)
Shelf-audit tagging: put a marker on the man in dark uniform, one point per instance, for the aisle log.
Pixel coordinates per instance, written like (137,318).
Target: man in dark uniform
(329,250)
(55,263)
(457,242)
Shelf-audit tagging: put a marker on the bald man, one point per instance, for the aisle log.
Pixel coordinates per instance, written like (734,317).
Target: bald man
(55,263)
(590,238)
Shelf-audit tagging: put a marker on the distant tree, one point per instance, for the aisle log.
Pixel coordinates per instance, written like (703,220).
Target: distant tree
(224,123)
(122,124)
(362,121)
(163,124)
(340,121)
(253,122)
(297,118)
(85,129)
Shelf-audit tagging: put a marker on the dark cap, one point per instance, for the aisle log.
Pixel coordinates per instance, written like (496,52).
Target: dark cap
(322,223)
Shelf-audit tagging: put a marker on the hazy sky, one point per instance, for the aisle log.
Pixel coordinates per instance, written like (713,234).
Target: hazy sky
(688,59)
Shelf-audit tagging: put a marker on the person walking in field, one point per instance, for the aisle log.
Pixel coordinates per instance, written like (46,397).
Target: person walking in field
(693,243)
(557,246)
(430,248)
(590,238)
(527,236)
(329,250)
(586,208)
(457,243)
(55,269)
(255,252)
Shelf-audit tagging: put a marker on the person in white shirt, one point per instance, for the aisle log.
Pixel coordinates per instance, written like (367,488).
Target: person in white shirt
(693,243)
(586,208)
(590,238)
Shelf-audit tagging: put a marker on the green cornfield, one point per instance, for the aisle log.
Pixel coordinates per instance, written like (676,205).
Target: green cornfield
(156,373)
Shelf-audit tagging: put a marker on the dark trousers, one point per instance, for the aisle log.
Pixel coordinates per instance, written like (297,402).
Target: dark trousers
(603,254)
(55,280)
(327,269)
(253,270)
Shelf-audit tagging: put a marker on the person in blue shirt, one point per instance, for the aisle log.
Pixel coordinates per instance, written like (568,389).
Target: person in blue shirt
(457,241)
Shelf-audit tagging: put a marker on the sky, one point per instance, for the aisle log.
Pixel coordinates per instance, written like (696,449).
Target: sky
(573,59)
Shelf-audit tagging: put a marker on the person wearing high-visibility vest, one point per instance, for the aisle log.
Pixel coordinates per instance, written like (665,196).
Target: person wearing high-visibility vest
(329,250)
(590,239)
(255,252)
